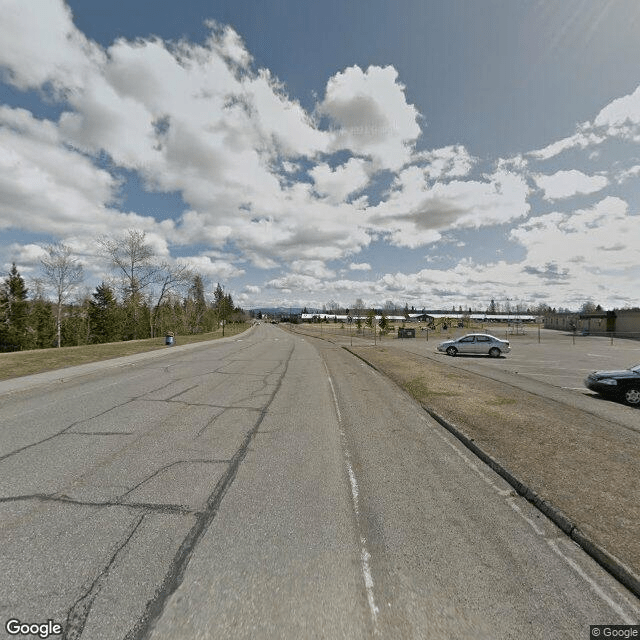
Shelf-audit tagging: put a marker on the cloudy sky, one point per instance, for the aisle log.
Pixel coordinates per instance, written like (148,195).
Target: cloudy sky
(300,152)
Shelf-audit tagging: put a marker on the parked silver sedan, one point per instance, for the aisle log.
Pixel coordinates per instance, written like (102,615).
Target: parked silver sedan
(475,344)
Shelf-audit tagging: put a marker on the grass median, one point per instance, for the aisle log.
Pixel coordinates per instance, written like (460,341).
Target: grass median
(23,363)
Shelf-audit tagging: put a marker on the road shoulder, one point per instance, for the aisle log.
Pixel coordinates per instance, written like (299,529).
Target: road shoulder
(580,465)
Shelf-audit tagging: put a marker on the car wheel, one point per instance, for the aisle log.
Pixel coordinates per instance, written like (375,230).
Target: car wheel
(494,352)
(632,396)
(451,351)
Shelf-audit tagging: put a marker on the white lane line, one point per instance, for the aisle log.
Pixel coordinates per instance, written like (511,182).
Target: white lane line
(335,398)
(365,556)
(354,488)
(475,467)
(532,524)
(368,581)
(592,583)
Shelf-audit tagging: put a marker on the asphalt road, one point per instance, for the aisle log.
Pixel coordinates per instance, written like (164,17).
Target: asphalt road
(269,486)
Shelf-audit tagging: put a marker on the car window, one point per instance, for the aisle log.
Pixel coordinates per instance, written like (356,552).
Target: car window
(467,339)
(483,339)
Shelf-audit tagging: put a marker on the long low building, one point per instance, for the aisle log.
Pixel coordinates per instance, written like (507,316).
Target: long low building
(477,317)
(309,317)
(618,322)
(427,317)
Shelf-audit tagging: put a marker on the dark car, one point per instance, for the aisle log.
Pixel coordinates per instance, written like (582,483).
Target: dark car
(621,385)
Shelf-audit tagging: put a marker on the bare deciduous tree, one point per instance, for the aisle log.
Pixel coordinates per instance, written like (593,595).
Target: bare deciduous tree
(63,273)
(168,278)
(141,272)
(358,307)
(132,257)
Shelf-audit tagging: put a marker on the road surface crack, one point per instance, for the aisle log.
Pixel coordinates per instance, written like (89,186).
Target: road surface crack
(63,431)
(79,612)
(175,574)
(147,507)
(165,468)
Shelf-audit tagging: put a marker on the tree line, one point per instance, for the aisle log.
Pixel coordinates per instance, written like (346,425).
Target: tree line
(144,298)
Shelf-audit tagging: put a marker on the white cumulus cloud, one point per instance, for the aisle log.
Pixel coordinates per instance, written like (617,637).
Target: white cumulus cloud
(564,184)
(416,212)
(371,116)
(39,44)
(338,183)
(360,266)
(620,112)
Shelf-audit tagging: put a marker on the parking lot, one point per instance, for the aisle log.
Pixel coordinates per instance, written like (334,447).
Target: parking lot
(550,363)
(558,359)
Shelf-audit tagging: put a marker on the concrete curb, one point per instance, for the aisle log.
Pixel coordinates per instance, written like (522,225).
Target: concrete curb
(607,561)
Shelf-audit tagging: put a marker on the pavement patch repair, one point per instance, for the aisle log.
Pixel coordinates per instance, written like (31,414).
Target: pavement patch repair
(572,454)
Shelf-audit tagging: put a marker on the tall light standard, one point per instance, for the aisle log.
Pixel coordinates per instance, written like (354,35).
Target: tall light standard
(508,301)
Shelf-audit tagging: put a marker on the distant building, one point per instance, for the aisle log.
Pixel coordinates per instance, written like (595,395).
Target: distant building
(433,316)
(621,323)
(628,323)
(597,323)
(563,321)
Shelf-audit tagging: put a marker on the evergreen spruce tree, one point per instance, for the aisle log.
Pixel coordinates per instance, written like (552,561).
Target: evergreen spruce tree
(75,328)
(14,312)
(223,305)
(218,295)
(4,317)
(104,315)
(383,323)
(42,321)
(196,305)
